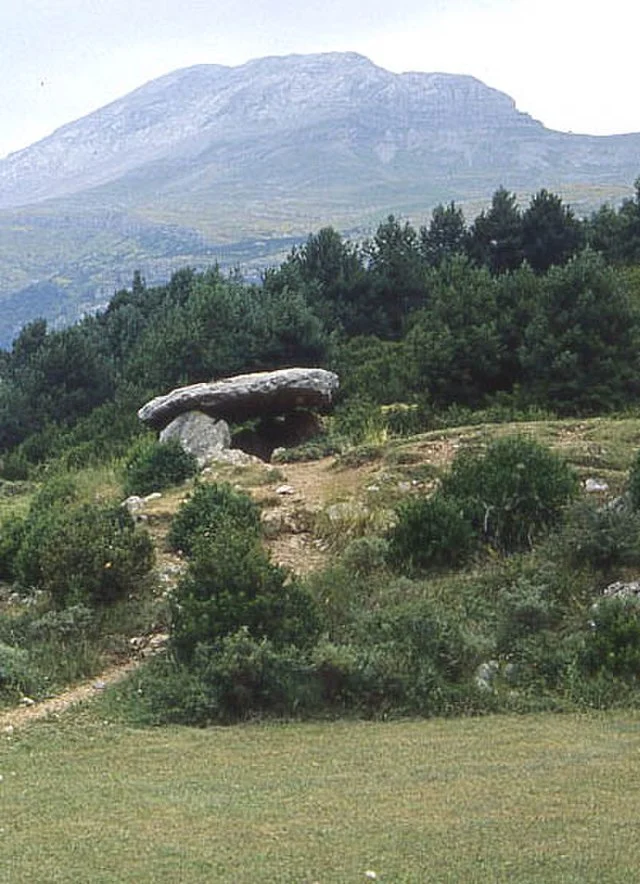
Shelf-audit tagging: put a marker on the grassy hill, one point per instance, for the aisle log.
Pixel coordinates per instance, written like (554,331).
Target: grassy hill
(527,798)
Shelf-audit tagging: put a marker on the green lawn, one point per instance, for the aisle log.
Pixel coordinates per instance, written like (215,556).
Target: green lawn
(514,799)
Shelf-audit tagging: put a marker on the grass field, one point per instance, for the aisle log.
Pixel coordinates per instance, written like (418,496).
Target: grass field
(513,799)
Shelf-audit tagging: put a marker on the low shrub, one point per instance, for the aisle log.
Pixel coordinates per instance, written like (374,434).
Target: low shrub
(513,493)
(600,538)
(15,466)
(16,673)
(154,466)
(365,556)
(613,641)
(314,449)
(82,553)
(633,484)
(212,509)
(12,532)
(430,533)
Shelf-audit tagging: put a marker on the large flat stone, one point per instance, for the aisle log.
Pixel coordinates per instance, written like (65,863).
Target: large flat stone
(246,396)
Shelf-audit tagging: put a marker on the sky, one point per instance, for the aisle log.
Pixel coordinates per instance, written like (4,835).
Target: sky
(570,63)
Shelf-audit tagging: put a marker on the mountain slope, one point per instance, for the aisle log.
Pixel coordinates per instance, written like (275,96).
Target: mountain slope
(203,162)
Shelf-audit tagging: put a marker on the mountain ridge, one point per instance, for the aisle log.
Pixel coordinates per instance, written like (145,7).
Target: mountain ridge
(205,160)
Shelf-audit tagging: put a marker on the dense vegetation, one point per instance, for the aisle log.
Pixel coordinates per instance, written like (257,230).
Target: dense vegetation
(463,601)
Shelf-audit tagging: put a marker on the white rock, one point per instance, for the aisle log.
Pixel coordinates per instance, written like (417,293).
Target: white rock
(592,486)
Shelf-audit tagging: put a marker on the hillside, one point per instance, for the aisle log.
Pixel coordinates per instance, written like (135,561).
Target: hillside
(234,164)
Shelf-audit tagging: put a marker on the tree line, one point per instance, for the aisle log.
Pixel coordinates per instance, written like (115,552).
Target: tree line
(532,306)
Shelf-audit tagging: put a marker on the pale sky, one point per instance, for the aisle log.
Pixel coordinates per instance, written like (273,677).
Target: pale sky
(570,63)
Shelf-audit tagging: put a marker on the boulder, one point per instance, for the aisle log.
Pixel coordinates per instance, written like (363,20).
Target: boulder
(200,435)
(245,396)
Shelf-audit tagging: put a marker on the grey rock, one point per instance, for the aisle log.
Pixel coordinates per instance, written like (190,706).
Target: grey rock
(236,458)
(199,434)
(244,396)
(278,522)
(486,674)
(133,504)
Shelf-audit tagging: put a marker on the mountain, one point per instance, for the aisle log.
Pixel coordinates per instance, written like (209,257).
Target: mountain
(235,163)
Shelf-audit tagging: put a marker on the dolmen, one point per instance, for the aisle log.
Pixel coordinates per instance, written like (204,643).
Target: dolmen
(197,415)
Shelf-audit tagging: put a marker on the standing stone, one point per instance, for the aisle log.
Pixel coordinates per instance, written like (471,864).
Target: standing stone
(200,435)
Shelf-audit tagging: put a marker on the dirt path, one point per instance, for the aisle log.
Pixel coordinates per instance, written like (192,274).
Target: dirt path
(24,715)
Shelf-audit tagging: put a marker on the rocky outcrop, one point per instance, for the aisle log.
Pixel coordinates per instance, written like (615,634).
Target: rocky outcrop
(245,396)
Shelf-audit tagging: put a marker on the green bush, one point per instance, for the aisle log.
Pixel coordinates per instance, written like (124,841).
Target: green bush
(230,584)
(212,509)
(154,466)
(12,533)
(634,483)
(365,556)
(513,493)
(600,538)
(613,642)
(14,466)
(523,610)
(16,673)
(430,533)
(82,553)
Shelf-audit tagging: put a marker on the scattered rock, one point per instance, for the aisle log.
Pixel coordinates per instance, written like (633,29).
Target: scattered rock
(277,522)
(595,486)
(133,504)
(620,590)
(245,396)
(486,674)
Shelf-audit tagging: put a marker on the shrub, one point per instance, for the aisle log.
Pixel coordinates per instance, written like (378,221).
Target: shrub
(154,466)
(601,538)
(12,533)
(212,509)
(523,608)
(634,483)
(613,643)
(230,584)
(83,552)
(430,533)
(14,466)
(16,673)
(365,556)
(512,493)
